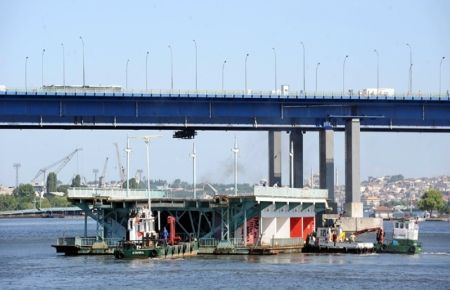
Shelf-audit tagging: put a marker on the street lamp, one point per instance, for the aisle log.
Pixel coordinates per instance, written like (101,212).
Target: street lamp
(410,68)
(26,63)
(317,69)
(304,75)
(84,75)
(64,65)
(171,66)
(223,72)
(42,66)
(126,75)
(440,74)
(235,152)
(343,75)
(275,67)
(147,140)
(194,157)
(245,71)
(196,71)
(146,70)
(378,70)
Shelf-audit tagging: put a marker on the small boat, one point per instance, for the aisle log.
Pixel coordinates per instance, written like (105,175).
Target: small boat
(144,242)
(333,240)
(404,240)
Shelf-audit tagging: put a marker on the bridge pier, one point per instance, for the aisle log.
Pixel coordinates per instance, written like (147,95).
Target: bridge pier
(296,147)
(326,164)
(353,206)
(274,158)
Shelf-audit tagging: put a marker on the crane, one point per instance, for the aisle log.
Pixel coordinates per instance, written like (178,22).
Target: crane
(60,165)
(101,180)
(119,163)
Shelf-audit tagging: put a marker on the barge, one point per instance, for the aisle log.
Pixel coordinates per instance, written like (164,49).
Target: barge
(269,220)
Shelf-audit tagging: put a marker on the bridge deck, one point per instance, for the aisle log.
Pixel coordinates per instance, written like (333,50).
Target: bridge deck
(229,110)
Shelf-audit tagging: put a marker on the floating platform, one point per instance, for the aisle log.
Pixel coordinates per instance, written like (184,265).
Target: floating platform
(269,220)
(344,247)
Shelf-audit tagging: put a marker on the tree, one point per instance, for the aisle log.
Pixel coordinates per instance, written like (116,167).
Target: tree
(24,190)
(431,200)
(132,183)
(51,182)
(76,181)
(8,202)
(63,188)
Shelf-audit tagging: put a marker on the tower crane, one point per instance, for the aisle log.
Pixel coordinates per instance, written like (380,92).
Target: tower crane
(60,165)
(119,163)
(101,180)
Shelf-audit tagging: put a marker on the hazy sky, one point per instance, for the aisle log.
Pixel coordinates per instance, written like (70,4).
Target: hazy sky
(115,31)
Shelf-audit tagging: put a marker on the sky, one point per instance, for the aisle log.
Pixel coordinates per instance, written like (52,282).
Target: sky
(114,31)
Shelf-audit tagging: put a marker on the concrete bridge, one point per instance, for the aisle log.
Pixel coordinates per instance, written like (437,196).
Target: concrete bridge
(187,111)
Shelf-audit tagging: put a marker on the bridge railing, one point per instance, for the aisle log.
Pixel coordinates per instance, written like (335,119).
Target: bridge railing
(118,91)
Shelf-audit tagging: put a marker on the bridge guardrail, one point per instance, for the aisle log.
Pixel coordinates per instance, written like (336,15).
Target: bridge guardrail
(119,92)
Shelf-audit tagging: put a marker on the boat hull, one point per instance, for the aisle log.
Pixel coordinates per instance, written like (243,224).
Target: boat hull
(400,247)
(160,251)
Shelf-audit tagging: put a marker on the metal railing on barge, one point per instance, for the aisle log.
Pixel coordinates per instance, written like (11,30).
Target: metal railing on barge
(87,242)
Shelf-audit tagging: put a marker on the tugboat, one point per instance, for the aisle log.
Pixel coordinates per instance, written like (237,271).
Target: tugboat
(404,239)
(143,241)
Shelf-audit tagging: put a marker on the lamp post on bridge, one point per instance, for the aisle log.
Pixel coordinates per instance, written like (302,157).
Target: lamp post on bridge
(223,73)
(42,66)
(378,70)
(64,66)
(126,75)
(245,72)
(410,68)
(26,64)
(343,75)
(304,71)
(196,67)
(317,69)
(84,75)
(171,66)
(440,74)
(275,67)
(146,70)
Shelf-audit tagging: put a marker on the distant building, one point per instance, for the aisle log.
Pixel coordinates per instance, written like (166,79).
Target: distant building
(370,201)
(383,212)
(4,190)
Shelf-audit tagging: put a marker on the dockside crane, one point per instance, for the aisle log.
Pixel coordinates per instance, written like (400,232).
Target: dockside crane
(60,165)
(101,180)
(119,164)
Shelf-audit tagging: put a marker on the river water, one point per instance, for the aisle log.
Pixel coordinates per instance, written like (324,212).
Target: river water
(28,262)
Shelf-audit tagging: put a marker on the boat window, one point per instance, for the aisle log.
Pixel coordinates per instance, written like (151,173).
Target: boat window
(401,225)
(396,225)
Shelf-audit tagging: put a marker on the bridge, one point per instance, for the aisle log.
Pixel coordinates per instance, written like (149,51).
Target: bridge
(296,112)
(219,110)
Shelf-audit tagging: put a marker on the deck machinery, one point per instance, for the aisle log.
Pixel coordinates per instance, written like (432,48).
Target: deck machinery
(267,221)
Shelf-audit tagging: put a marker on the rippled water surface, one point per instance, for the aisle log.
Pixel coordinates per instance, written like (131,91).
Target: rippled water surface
(28,262)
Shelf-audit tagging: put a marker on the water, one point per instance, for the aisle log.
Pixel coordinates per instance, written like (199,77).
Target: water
(28,262)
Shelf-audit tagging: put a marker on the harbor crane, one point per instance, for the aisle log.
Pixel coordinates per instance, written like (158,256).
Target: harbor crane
(119,164)
(60,165)
(101,180)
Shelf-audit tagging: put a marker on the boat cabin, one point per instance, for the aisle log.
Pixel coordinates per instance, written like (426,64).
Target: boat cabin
(406,230)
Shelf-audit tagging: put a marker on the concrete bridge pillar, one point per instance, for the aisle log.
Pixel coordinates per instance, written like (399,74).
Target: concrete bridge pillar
(296,148)
(274,158)
(326,164)
(353,206)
